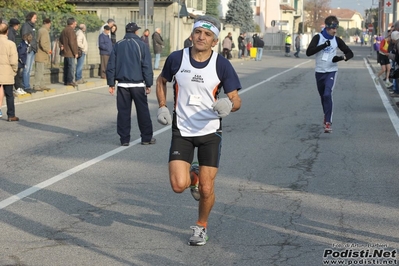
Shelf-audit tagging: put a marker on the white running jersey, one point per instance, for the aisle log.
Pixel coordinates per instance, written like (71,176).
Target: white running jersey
(195,92)
(324,57)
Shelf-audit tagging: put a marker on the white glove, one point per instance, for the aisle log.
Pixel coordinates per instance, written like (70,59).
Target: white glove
(163,115)
(223,107)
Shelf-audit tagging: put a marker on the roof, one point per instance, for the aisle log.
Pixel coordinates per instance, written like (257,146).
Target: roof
(343,13)
(287,8)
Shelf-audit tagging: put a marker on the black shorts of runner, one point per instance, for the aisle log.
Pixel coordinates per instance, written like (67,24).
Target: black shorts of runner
(209,148)
(384,60)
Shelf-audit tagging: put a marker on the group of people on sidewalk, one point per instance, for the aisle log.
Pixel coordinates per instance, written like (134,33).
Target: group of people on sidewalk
(244,46)
(17,59)
(387,49)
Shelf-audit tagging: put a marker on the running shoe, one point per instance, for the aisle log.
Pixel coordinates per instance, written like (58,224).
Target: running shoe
(376,80)
(327,128)
(388,84)
(1,114)
(199,236)
(194,173)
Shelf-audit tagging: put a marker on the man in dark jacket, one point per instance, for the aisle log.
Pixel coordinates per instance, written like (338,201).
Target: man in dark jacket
(258,44)
(157,44)
(29,27)
(105,46)
(69,48)
(13,29)
(241,45)
(130,65)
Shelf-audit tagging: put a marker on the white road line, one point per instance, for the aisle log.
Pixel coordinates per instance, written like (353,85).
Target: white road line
(387,103)
(26,193)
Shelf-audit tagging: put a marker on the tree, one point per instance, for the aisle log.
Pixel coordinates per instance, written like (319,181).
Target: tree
(212,8)
(317,11)
(58,11)
(240,14)
(372,17)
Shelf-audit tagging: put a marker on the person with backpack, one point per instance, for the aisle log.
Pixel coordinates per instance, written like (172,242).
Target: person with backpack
(384,61)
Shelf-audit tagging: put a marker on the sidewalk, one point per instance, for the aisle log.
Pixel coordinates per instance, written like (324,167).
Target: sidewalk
(60,88)
(376,67)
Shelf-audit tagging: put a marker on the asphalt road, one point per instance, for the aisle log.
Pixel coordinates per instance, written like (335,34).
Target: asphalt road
(286,193)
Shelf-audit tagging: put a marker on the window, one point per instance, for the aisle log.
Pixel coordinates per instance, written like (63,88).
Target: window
(199,5)
(134,15)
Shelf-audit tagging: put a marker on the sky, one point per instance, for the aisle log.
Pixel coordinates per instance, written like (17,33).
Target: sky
(358,5)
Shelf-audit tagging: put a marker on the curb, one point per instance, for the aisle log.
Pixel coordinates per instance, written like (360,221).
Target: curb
(58,89)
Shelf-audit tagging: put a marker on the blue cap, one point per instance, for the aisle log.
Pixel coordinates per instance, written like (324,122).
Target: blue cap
(132,27)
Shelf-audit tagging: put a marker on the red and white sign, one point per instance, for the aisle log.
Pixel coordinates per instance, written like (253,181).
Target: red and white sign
(371,28)
(388,7)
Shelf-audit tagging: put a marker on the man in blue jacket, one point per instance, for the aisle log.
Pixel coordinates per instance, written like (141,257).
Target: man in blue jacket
(105,46)
(130,65)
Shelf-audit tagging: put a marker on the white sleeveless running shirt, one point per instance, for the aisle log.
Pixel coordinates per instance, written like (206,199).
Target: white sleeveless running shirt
(195,91)
(324,58)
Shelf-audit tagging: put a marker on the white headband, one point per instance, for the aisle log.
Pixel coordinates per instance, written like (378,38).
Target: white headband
(207,25)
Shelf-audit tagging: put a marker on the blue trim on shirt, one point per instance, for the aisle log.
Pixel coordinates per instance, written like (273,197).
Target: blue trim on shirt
(225,71)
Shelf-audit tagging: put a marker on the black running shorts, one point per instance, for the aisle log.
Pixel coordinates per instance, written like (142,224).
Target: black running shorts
(384,60)
(209,148)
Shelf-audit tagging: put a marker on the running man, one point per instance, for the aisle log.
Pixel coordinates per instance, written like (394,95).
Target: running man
(325,45)
(199,74)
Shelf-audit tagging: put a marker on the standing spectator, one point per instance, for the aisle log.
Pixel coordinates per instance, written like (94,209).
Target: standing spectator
(29,27)
(145,37)
(130,65)
(69,47)
(384,61)
(13,29)
(377,42)
(288,43)
(249,46)
(366,39)
(188,42)
(241,45)
(227,44)
(114,28)
(297,45)
(9,67)
(197,116)
(105,46)
(258,44)
(157,43)
(83,47)
(42,55)
(110,23)
(22,49)
(324,45)
(259,49)
(394,55)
